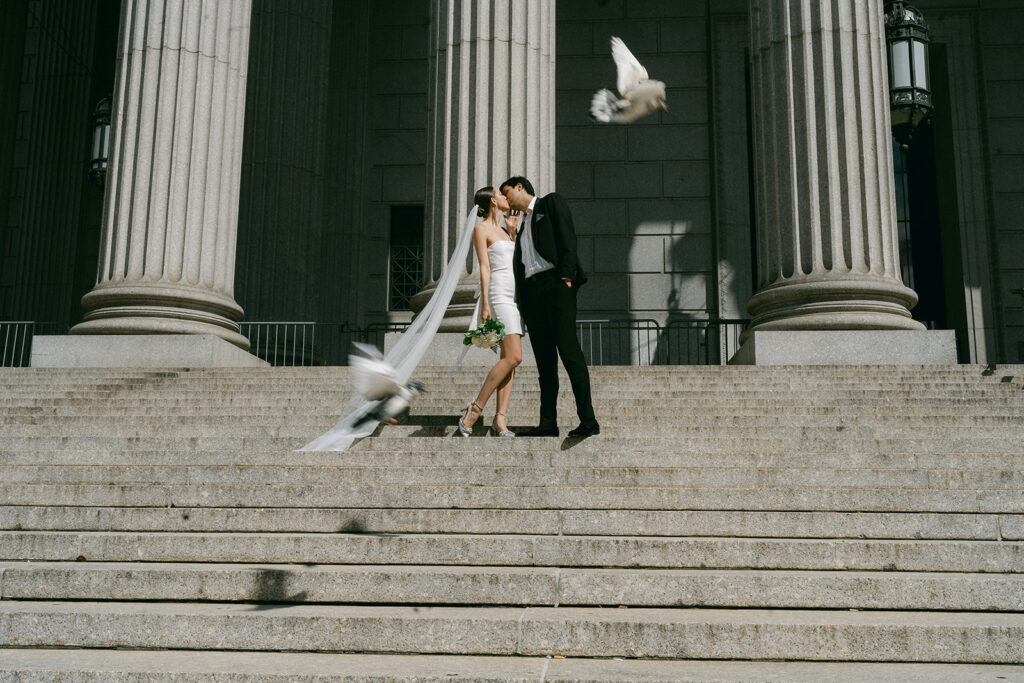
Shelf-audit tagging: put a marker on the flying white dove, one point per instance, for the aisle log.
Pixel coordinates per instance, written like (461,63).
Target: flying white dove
(384,399)
(377,381)
(640,95)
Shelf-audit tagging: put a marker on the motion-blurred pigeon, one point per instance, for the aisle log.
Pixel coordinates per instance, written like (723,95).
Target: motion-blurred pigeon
(640,95)
(375,380)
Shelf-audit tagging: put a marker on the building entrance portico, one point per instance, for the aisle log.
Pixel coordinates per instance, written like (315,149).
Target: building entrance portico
(421,107)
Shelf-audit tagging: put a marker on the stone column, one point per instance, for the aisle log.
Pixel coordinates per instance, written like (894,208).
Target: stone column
(492,115)
(167,253)
(828,255)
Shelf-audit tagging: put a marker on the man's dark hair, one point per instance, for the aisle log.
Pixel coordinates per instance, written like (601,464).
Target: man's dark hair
(518,180)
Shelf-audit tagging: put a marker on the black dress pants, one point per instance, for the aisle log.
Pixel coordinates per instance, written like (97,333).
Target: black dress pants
(549,310)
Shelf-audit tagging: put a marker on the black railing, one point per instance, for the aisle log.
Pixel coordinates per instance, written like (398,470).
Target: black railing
(619,342)
(16,340)
(308,343)
(700,341)
(604,342)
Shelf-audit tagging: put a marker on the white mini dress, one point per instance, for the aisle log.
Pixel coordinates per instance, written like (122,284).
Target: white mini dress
(501,291)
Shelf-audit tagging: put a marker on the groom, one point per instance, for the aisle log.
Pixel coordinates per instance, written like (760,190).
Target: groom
(548,274)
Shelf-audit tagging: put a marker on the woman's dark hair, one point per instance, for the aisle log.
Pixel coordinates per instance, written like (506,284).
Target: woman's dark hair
(518,180)
(483,200)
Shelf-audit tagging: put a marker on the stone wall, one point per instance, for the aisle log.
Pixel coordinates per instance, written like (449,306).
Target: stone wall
(1002,54)
(397,135)
(47,151)
(641,194)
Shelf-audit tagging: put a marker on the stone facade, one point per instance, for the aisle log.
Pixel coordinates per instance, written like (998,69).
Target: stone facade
(664,206)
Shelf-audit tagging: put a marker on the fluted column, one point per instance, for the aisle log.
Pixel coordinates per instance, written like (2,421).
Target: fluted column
(492,115)
(828,255)
(167,253)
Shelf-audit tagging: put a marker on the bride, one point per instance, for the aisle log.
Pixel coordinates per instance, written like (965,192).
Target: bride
(494,248)
(404,357)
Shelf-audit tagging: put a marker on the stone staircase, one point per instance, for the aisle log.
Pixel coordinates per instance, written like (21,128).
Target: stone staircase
(728,524)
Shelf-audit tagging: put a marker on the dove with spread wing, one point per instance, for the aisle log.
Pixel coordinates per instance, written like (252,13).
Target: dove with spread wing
(382,397)
(640,95)
(376,381)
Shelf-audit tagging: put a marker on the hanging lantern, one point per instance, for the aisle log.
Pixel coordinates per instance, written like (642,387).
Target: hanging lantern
(100,142)
(910,97)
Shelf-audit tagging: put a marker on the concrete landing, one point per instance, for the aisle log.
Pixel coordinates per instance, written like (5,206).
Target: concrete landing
(139,351)
(848,347)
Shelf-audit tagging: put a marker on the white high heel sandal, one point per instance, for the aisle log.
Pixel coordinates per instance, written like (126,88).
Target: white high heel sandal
(463,429)
(506,433)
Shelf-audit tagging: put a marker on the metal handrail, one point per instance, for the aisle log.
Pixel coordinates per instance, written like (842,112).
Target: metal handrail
(281,343)
(16,340)
(697,341)
(619,342)
(702,341)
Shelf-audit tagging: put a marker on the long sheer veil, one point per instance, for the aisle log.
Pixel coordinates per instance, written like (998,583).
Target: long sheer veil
(407,352)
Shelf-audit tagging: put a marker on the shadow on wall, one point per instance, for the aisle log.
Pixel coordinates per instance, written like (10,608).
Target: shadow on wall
(672,278)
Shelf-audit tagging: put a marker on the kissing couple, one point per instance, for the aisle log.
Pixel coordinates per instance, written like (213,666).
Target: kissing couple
(530,272)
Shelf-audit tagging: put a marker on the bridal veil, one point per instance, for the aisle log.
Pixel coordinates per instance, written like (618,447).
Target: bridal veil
(407,352)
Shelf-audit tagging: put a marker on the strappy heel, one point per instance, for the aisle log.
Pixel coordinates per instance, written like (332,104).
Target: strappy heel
(463,429)
(503,433)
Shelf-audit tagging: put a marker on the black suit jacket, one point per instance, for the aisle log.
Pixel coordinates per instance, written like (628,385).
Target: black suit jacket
(554,237)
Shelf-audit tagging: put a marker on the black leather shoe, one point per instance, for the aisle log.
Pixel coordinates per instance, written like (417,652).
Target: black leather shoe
(542,430)
(586,429)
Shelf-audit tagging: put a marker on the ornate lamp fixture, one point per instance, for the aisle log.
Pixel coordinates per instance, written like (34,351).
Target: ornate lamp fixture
(910,97)
(100,142)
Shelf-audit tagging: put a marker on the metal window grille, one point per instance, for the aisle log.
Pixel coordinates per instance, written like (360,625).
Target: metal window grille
(406,269)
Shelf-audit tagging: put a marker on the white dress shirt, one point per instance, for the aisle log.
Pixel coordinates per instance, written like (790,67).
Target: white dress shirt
(532,261)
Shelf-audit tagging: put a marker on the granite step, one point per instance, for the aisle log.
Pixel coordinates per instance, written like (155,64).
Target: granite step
(1008,429)
(809,475)
(157,666)
(669,416)
(535,586)
(486,456)
(611,412)
(754,524)
(247,404)
(743,513)
(934,637)
(629,383)
(982,371)
(756,497)
(383,442)
(517,550)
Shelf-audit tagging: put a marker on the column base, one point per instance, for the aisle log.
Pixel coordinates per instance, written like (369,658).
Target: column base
(840,303)
(137,308)
(139,351)
(847,347)
(459,312)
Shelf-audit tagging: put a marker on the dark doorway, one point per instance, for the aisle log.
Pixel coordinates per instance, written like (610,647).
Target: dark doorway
(917,219)
(928,215)
(87,251)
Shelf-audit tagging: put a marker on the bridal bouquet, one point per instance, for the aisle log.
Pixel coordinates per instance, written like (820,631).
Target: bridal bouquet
(486,336)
